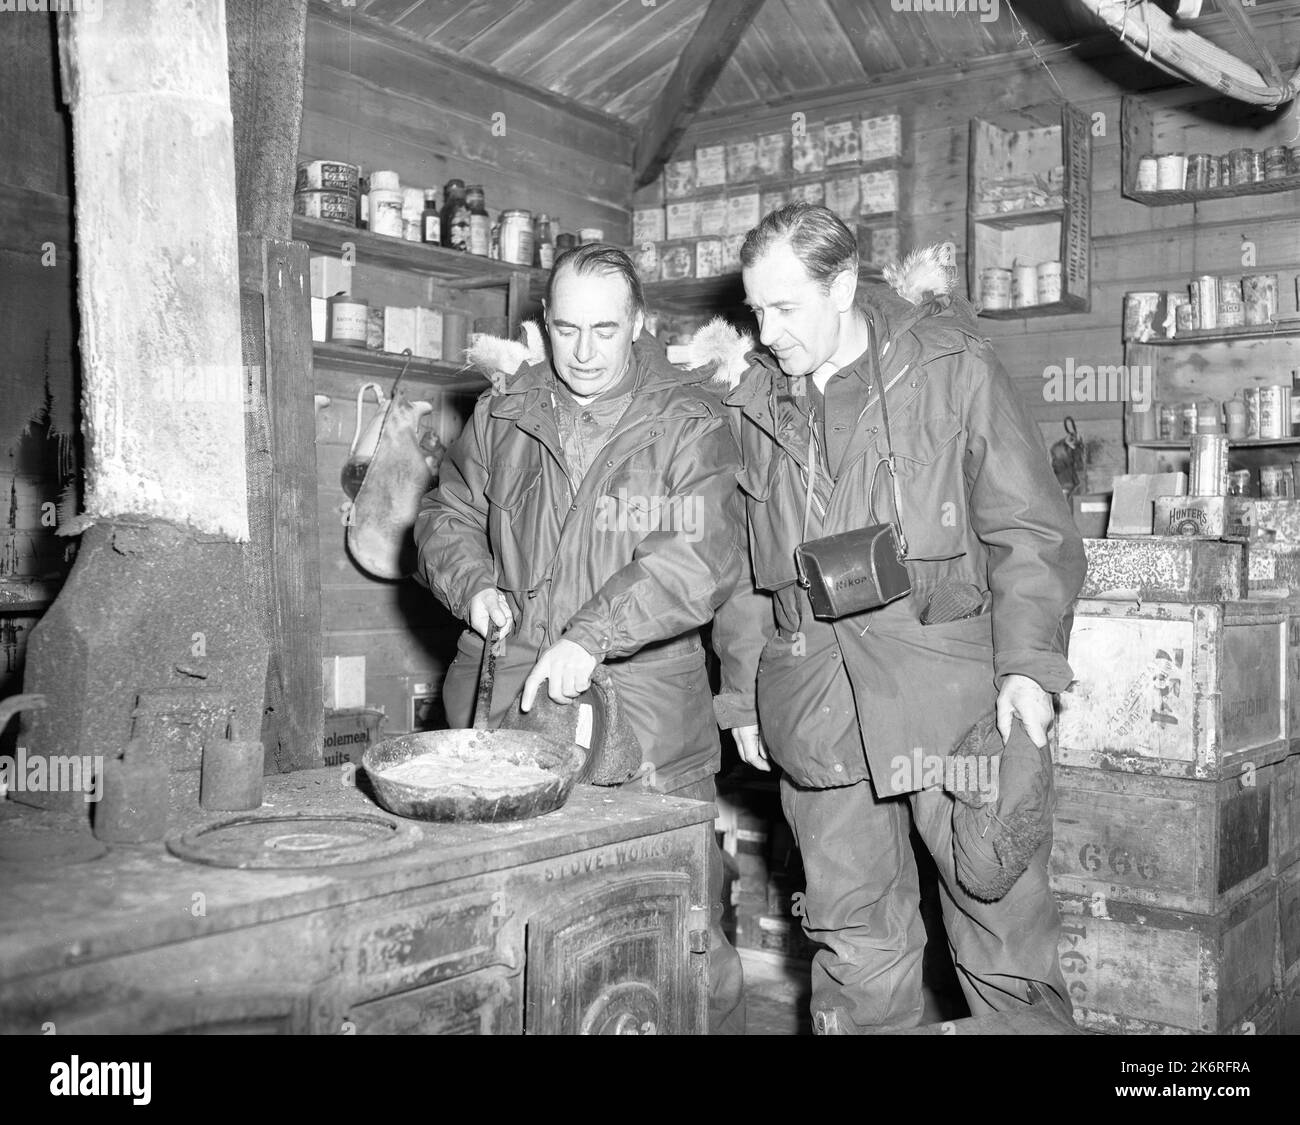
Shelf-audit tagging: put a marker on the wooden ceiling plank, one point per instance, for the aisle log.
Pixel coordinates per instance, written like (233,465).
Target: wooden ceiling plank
(826,36)
(732,88)
(462,26)
(706,54)
(866,34)
(518,24)
(576,28)
(779,33)
(761,66)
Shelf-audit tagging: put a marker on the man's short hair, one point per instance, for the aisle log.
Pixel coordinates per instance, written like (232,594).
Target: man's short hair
(824,245)
(599,257)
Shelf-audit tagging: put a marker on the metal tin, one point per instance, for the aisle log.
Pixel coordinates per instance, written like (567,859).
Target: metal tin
(386,212)
(1234,412)
(1024,286)
(1225,171)
(348,316)
(1141,315)
(1184,316)
(385,180)
(1170,422)
(1259,297)
(1293,161)
(1250,396)
(1208,475)
(1239,483)
(1213,167)
(587,235)
(1241,160)
(1275,482)
(1206,299)
(334,175)
(1198,171)
(1171,171)
(1276,162)
(564,242)
(335,206)
(1189,419)
(1275,411)
(1147,174)
(1049,282)
(995,288)
(1232,313)
(517,237)
(1256,167)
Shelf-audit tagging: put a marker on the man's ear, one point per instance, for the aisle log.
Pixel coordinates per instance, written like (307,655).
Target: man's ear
(843,289)
(638,323)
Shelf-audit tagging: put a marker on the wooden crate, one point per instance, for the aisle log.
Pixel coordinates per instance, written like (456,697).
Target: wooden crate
(1175,843)
(1177,690)
(1288,925)
(1145,970)
(1286,811)
(1293,670)
(1158,568)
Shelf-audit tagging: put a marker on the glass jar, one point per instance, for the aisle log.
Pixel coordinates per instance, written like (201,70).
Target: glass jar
(455,216)
(480,222)
(430,221)
(544,244)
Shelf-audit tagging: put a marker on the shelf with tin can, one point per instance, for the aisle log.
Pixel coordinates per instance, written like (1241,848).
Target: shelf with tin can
(371,364)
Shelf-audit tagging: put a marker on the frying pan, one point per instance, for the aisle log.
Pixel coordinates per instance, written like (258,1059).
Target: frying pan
(483,803)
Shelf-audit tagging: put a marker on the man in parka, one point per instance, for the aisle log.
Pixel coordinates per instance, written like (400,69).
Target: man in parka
(848,706)
(589,508)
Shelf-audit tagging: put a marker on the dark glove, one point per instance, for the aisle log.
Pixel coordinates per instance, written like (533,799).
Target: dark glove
(1003,808)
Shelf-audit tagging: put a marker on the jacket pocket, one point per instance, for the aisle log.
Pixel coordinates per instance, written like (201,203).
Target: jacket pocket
(512,493)
(932,486)
(508,485)
(771,555)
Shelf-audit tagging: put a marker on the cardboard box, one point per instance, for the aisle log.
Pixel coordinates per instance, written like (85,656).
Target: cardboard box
(320,320)
(330,276)
(713,216)
(731,252)
(428,333)
(1132,504)
(742,161)
(676,261)
(773,199)
(679,179)
(343,681)
(1275,523)
(1091,513)
(399,329)
(774,155)
(711,166)
(1200,517)
(808,149)
(843,142)
(879,192)
(682,219)
(742,212)
(1162,568)
(708,257)
(648,225)
(646,259)
(349,733)
(842,197)
(375,329)
(881,137)
(814,193)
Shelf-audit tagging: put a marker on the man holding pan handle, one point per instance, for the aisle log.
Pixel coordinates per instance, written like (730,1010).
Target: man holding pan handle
(589,509)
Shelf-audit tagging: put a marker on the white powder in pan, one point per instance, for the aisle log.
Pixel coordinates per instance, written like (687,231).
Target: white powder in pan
(467,770)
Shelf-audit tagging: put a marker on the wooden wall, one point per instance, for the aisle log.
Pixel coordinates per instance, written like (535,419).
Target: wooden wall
(39,415)
(1133,246)
(374,98)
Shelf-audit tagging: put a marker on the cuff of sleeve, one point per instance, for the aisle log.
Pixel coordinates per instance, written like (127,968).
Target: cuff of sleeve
(732,709)
(592,639)
(482,579)
(1050,669)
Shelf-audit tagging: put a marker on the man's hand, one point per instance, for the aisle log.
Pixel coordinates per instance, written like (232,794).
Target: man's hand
(568,668)
(752,751)
(490,605)
(1023,698)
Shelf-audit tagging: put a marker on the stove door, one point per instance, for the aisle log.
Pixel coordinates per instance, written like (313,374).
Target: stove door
(615,961)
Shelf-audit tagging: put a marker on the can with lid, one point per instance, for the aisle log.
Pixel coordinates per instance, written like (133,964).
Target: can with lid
(588,235)
(1189,419)
(1184,316)
(995,287)
(1275,411)
(1198,171)
(1147,174)
(1241,160)
(1225,171)
(517,237)
(1275,482)
(336,206)
(1250,396)
(385,181)
(1049,282)
(1169,422)
(335,175)
(1024,287)
(1239,483)
(1206,299)
(348,316)
(1234,413)
(1259,297)
(1208,475)
(1171,171)
(1256,167)
(1231,313)
(1276,162)
(1212,172)
(386,212)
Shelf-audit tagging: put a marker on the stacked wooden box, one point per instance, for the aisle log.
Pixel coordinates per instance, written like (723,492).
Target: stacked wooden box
(1177,829)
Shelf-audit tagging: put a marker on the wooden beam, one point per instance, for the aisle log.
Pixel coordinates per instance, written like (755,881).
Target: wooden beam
(1267,64)
(697,70)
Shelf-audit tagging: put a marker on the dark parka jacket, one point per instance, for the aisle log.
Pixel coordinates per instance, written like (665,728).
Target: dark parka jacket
(980,505)
(601,567)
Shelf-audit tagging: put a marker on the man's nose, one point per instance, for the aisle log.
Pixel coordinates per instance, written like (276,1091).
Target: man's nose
(586,348)
(768,332)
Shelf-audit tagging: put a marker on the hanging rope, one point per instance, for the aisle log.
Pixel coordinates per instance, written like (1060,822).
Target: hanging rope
(1189,56)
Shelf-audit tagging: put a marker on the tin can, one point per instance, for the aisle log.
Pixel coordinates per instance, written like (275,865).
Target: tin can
(1276,162)
(386,212)
(1259,296)
(1213,166)
(1024,286)
(1274,412)
(1239,483)
(1241,160)
(995,288)
(1184,316)
(517,237)
(1293,161)
(564,242)
(1250,396)
(1141,311)
(348,317)
(1225,171)
(1171,171)
(1231,313)
(1206,299)
(1208,475)
(588,235)
(1256,167)
(1198,171)
(336,206)
(1169,422)
(1275,482)
(1189,419)
(385,180)
(1049,282)
(332,175)
(1147,174)
(1234,413)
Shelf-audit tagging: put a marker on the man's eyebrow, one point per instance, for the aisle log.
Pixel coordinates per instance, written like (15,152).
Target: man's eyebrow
(570,324)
